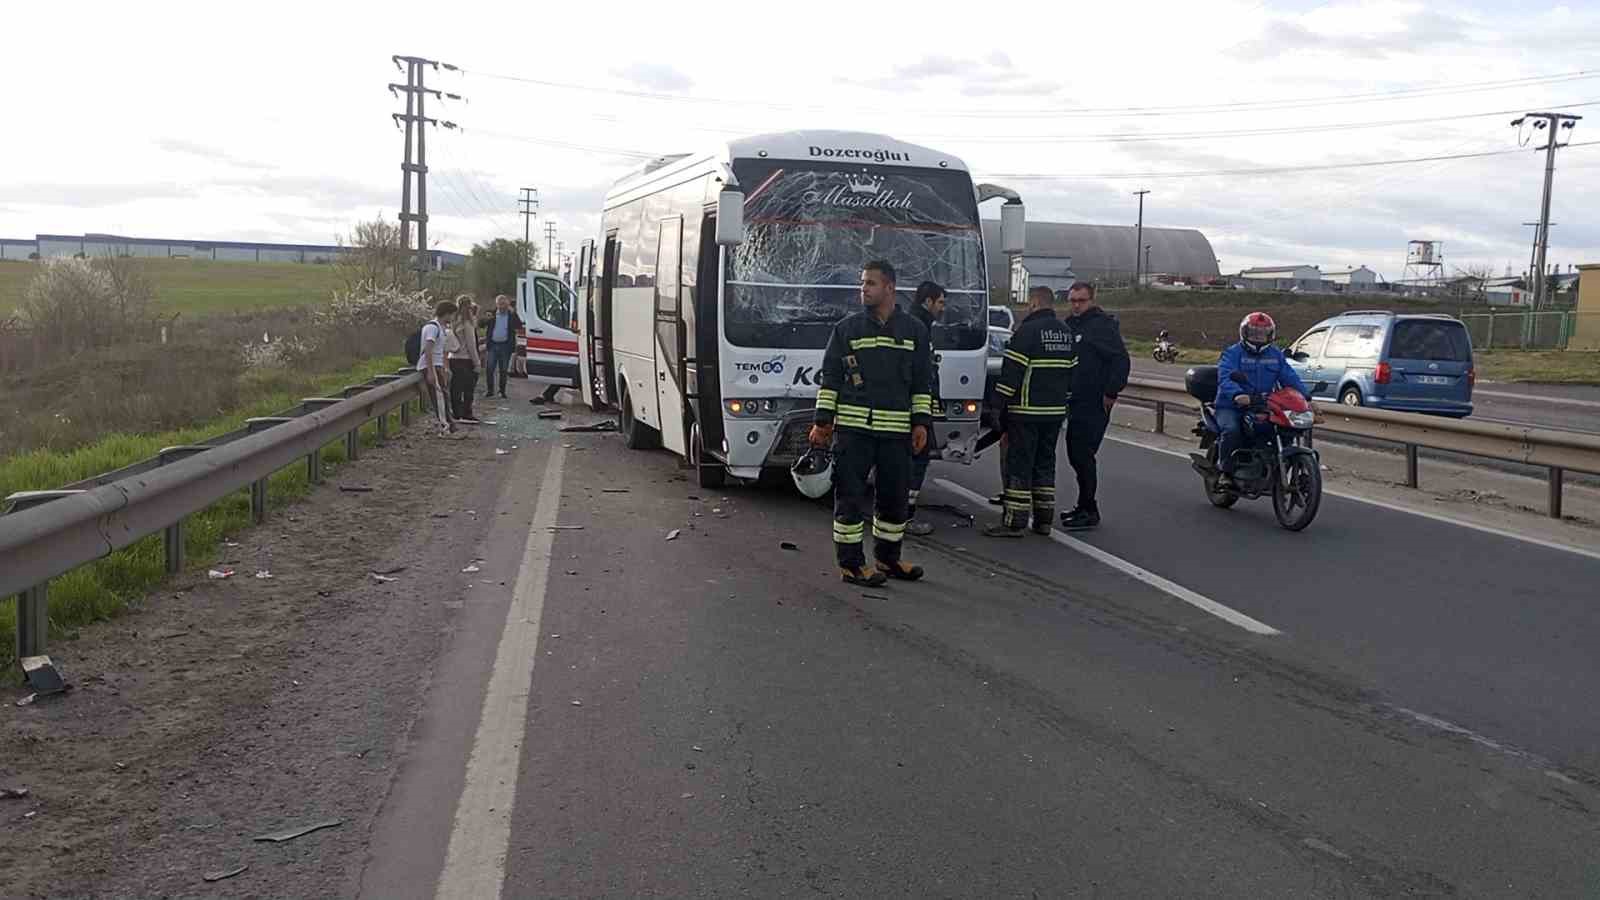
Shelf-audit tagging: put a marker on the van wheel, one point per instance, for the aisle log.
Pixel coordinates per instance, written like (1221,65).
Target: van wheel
(635,434)
(709,475)
(1350,396)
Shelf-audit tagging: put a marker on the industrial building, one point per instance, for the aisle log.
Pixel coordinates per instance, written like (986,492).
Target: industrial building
(1058,253)
(52,246)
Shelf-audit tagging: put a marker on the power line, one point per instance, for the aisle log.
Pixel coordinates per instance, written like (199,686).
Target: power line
(1266,170)
(1078,112)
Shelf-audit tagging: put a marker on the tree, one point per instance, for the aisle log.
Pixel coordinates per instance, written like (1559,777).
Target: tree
(372,254)
(494,267)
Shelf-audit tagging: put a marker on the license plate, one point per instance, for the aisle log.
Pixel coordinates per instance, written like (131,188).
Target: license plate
(1433,379)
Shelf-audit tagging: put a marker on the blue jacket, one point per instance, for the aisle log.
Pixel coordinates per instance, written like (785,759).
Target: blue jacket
(1267,371)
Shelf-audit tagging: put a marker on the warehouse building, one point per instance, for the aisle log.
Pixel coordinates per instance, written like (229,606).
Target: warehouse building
(1058,253)
(54,246)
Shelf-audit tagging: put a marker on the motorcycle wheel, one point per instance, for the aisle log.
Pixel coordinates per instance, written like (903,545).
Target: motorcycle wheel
(1219,499)
(1296,505)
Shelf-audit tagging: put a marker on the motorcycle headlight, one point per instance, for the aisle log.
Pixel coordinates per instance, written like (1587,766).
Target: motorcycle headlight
(1303,419)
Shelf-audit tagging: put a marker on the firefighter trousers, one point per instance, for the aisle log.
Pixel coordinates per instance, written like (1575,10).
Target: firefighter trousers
(855,456)
(1030,470)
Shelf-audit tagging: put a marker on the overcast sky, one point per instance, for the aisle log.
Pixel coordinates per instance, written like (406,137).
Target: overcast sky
(194,121)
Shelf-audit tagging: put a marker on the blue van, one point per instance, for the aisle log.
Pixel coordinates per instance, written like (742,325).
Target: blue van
(1384,360)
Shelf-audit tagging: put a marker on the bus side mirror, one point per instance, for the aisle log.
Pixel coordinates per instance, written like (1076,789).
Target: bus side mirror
(730,218)
(1013,227)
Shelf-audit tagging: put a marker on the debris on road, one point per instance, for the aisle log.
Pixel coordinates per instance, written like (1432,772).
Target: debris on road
(593,428)
(394,570)
(673,534)
(168,633)
(696,748)
(788,545)
(499,452)
(716,509)
(874,596)
(231,545)
(13,793)
(279,837)
(472,568)
(577,703)
(42,675)
(383,579)
(224,874)
(219,574)
(685,796)
(566,527)
(264,575)
(552,414)
(441,515)
(613,490)
(355,489)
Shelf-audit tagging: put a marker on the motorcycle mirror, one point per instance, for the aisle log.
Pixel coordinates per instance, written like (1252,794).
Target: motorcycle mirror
(1239,378)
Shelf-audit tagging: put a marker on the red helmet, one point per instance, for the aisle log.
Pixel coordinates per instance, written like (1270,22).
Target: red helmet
(1257,331)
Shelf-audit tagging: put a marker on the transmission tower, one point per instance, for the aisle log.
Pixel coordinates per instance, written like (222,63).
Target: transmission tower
(416,122)
(550,241)
(530,208)
(1554,123)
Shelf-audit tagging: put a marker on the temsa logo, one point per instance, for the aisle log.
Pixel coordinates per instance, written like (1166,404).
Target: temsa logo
(773,366)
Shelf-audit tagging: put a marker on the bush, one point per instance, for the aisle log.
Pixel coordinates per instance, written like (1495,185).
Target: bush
(77,304)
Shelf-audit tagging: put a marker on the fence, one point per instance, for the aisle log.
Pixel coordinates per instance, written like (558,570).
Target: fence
(48,533)
(1524,329)
(1554,450)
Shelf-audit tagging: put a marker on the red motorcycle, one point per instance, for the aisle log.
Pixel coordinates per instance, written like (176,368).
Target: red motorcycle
(1277,457)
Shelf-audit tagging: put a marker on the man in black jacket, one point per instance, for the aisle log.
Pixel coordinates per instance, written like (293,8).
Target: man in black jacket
(1031,392)
(927,306)
(876,387)
(500,333)
(1099,376)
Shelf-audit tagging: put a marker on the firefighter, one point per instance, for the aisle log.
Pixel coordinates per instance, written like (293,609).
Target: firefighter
(875,404)
(927,306)
(1032,391)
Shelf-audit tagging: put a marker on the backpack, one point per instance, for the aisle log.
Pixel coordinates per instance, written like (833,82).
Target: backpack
(414,345)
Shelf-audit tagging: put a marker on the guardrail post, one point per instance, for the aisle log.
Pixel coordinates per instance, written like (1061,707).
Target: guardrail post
(33,620)
(1161,417)
(1411,465)
(352,441)
(383,426)
(258,488)
(172,539)
(1557,475)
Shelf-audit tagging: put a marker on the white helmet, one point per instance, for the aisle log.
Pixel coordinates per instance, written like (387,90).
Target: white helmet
(813,472)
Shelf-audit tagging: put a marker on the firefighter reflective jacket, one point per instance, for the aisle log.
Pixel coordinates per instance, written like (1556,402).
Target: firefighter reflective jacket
(877,378)
(1036,375)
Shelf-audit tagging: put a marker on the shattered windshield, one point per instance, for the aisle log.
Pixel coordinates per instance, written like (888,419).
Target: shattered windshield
(808,231)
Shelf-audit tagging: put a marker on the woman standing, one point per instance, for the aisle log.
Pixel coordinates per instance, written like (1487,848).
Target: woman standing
(464,360)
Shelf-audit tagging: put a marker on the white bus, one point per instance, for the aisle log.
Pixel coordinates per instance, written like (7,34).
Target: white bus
(709,294)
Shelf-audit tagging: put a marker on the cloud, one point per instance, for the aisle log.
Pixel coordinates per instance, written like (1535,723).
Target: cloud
(992,75)
(214,154)
(654,76)
(1421,29)
(95,196)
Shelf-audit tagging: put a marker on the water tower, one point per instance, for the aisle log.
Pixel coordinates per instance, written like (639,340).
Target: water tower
(1424,264)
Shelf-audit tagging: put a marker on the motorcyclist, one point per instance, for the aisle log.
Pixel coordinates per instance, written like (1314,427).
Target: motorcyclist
(1266,369)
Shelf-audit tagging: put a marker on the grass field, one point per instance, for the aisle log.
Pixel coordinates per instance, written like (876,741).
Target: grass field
(106,586)
(203,287)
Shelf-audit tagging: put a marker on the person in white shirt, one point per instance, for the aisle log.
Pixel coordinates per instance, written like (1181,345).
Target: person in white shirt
(430,362)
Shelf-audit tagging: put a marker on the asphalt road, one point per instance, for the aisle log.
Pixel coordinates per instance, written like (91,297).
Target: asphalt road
(712,715)
(1574,407)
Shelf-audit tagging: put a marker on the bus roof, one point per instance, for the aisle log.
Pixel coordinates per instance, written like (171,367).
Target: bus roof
(828,146)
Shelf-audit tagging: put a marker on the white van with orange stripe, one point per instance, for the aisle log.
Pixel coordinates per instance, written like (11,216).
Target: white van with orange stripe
(548,308)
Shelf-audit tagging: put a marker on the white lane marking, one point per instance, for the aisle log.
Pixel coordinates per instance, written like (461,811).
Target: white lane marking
(1395,507)
(1199,601)
(475,864)
(1536,398)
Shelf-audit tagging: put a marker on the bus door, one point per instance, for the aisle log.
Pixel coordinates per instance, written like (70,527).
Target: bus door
(601,365)
(669,337)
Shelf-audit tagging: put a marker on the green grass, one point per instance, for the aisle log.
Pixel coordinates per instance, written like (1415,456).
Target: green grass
(1546,366)
(109,585)
(203,287)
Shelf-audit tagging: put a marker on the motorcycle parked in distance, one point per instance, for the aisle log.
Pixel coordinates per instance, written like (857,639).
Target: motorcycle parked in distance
(1166,350)
(1277,456)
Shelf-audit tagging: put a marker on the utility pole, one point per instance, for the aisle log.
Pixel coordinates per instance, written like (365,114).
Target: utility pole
(1138,241)
(550,240)
(1554,123)
(417,91)
(1147,260)
(530,207)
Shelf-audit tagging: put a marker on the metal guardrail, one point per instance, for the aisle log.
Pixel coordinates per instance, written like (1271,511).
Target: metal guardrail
(1554,450)
(48,533)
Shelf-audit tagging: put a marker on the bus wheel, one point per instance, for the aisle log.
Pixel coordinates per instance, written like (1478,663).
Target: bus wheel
(710,475)
(635,434)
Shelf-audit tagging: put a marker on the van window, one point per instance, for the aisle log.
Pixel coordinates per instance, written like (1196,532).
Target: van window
(551,303)
(1311,342)
(1354,342)
(1440,341)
